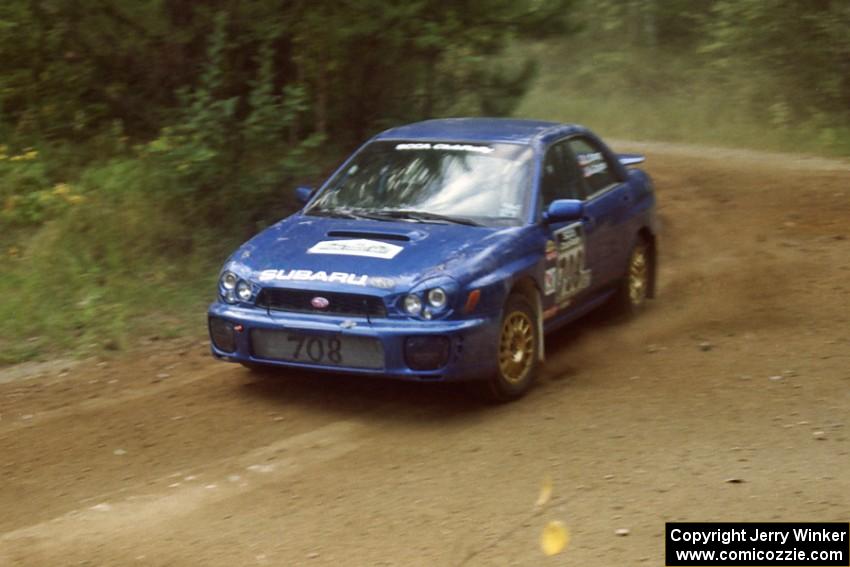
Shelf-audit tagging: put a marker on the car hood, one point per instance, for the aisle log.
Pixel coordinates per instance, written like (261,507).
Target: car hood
(327,253)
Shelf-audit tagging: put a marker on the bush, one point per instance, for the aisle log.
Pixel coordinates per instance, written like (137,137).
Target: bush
(120,261)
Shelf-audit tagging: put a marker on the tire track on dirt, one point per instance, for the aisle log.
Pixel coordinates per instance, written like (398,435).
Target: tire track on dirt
(44,418)
(270,464)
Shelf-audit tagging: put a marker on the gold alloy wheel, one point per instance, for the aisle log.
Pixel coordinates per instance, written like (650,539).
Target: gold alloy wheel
(516,347)
(638,275)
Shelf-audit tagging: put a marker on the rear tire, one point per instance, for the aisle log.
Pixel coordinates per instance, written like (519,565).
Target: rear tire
(634,289)
(518,352)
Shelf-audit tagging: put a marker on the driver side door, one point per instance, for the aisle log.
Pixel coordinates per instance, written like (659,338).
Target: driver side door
(573,250)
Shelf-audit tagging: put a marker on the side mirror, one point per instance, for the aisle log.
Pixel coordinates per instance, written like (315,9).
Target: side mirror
(303,194)
(564,210)
(631,159)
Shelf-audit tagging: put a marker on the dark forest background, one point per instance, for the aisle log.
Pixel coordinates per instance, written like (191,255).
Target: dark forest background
(141,140)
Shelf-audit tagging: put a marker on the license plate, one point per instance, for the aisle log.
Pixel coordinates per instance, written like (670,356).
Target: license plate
(327,350)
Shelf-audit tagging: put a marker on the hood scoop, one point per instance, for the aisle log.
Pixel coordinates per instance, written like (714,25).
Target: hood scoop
(371,235)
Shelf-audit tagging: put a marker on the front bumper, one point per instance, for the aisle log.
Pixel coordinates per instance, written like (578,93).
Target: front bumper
(472,342)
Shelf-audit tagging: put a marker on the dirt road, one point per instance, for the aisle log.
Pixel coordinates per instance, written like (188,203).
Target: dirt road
(728,400)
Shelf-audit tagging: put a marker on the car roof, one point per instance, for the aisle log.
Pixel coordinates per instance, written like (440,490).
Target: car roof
(480,130)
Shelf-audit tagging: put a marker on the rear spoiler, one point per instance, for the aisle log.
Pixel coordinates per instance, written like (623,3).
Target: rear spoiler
(631,159)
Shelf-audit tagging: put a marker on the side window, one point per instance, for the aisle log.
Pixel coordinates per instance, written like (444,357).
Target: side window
(560,180)
(594,167)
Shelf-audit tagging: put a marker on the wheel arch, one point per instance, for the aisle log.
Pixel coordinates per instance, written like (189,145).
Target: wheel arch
(527,288)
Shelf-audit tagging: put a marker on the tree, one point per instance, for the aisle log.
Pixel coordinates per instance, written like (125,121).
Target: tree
(801,45)
(73,68)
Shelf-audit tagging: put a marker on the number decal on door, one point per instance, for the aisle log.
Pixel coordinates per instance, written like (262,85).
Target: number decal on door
(571,275)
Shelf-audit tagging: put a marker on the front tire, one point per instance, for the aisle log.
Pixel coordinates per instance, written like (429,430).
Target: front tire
(518,352)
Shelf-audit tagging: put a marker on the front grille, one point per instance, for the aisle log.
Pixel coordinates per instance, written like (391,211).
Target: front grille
(300,301)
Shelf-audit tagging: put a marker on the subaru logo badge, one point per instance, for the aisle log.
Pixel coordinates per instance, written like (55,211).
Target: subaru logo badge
(319,302)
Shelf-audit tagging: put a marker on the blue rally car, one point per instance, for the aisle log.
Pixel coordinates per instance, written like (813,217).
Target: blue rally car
(443,250)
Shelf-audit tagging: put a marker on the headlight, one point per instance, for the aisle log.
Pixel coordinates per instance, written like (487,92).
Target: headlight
(228,281)
(437,298)
(412,304)
(432,298)
(243,290)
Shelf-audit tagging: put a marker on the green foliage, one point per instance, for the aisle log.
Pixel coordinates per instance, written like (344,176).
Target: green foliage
(799,49)
(756,73)
(115,265)
(224,148)
(28,193)
(197,145)
(371,64)
(72,69)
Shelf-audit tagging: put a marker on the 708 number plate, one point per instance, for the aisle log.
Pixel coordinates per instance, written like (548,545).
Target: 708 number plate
(324,350)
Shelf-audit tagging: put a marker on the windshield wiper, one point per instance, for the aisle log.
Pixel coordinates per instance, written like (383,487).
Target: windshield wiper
(334,213)
(422,216)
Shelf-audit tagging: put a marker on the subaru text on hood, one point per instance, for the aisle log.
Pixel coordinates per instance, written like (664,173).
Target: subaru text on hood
(443,250)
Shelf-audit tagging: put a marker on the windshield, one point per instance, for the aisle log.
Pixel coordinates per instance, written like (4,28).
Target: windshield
(432,182)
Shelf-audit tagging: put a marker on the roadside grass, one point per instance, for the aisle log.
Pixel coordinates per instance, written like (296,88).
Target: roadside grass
(118,265)
(665,96)
(98,254)
(71,294)
(45,321)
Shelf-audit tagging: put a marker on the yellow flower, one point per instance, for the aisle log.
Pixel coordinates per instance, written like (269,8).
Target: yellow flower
(28,155)
(61,189)
(75,199)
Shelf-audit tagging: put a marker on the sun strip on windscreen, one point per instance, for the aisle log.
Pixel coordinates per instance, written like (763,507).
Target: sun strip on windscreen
(445,147)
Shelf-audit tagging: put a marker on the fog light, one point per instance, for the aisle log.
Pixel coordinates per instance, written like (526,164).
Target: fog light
(222,334)
(426,353)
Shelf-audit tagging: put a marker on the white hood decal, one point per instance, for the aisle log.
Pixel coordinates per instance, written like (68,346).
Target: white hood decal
(358,247)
